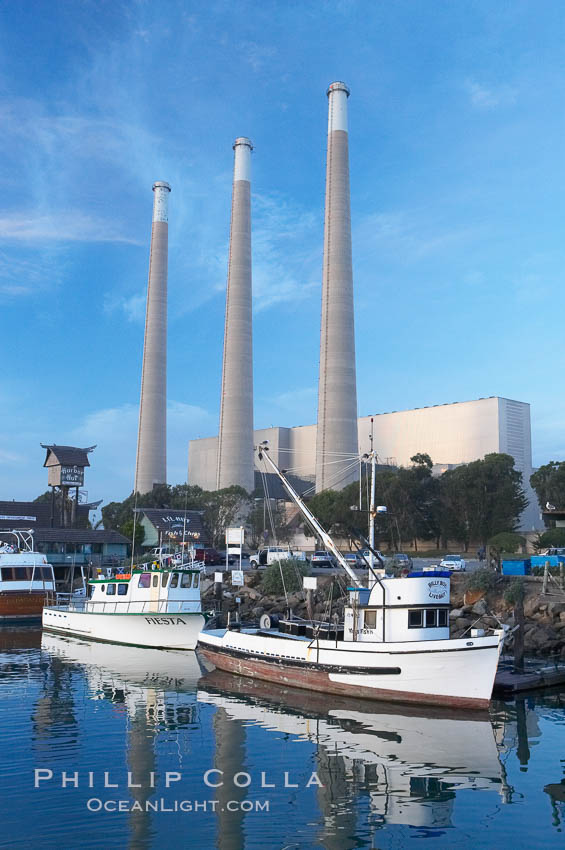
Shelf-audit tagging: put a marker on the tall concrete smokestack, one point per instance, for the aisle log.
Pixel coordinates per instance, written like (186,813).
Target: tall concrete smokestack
(235,441)
(151,464)
(337,391)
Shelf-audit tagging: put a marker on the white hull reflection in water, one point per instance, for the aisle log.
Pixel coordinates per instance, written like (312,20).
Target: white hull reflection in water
(413,760)
(154,678)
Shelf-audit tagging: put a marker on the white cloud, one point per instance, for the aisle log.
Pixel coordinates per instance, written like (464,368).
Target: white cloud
(60,226)
(489,98)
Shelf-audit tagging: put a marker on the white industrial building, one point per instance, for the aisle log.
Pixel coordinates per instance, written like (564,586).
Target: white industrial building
(450,433)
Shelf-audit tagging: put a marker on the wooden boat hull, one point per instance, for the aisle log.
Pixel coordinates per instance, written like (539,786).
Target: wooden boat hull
(158,631)
(455,676)
(16,605)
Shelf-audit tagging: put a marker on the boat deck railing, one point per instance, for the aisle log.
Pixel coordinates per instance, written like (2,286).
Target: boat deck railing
(65,603)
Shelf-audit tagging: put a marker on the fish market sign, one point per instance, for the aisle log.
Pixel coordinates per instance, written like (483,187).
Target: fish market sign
(72,476)
(437,588)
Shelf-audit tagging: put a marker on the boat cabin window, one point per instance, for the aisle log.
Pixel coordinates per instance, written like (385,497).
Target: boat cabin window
(155,581)
(196,581)
(370,620)
(102,587)
(42,573)
(16,573)
(111,590)
(186,580)
(145,580)
(174,580)
(164,579)
(427,618)
(122,589)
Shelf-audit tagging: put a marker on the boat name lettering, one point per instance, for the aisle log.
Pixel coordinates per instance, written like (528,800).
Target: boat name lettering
(165,621)
(437,589)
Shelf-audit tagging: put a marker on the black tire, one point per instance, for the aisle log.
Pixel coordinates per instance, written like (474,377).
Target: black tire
(254,565)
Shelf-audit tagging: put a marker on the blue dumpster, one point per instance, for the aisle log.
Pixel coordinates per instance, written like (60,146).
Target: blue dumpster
(516,567)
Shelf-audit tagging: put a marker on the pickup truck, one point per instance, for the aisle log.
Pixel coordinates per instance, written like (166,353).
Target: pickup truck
(264,557)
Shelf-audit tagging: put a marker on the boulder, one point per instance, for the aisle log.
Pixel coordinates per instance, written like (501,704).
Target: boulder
(455,613)
(257,611)
(462,623)
(480,607)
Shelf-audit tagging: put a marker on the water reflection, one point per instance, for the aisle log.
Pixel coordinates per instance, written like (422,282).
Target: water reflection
(408,763)
(379,766)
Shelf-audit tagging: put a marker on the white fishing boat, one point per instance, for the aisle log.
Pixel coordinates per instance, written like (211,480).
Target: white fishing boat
(152,606)
(394,643)
(27,580)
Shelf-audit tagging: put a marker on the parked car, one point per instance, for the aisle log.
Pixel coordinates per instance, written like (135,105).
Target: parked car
(402,561)
(365,558)
(321,558)
(264,557)
(354,559)
(209,555)
(455,563)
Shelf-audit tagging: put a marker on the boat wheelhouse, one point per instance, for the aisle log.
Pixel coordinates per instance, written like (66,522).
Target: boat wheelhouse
(152,606)
(27,581)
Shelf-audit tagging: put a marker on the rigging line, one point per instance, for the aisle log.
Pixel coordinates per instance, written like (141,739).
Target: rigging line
(334,479)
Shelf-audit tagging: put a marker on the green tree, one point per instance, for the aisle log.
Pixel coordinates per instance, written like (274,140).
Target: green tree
(292,572)
(552,537)
(127,530)
(481,499)
(507,541)
(224,508)
(549,483)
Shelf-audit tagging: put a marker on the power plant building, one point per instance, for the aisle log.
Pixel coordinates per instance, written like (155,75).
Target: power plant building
(450,433)
(151,461)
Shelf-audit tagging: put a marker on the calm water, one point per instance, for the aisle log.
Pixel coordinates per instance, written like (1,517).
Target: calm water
(298,770)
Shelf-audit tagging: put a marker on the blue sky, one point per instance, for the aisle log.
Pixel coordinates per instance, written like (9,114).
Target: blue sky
(457,188)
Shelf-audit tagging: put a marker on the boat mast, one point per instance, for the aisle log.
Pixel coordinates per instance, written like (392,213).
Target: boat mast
(372,513)
(322,533)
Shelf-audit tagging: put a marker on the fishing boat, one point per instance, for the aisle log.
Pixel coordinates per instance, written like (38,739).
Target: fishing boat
(153,606)
(394,643)
(27,580)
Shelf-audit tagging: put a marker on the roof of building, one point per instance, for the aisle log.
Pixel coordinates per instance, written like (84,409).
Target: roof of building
(175,522)
(69,455)
(78,535)
(34,514)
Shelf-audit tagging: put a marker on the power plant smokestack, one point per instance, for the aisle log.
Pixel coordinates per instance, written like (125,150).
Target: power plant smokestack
(336,436)
(235,441)
(151,464)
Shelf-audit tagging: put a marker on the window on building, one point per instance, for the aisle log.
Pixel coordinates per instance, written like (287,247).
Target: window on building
(144,580)
(415,619)
(186,580)
(122,589)
(442,617)
(174,580)
(370,621)
(111,590)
